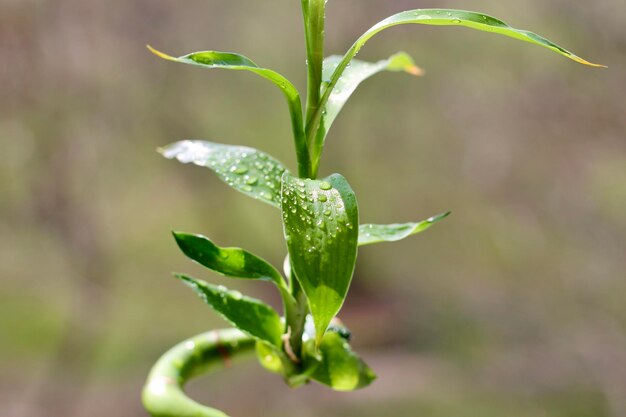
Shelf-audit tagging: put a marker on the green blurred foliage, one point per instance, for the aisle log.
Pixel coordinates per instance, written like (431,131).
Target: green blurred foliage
(515,305)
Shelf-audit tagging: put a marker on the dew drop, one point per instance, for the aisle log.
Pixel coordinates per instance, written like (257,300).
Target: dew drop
(239,170)
(252,180)
(322,198)
(236,295)
(325,185)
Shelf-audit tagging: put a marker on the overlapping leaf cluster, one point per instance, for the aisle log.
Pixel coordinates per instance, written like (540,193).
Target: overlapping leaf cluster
(320,216)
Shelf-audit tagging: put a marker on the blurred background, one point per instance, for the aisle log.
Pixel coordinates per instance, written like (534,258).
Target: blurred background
(515,305)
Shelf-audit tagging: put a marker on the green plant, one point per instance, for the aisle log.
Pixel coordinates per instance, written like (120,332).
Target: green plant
(320,219)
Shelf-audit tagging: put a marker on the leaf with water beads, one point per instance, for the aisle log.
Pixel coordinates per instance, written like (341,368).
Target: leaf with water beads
(375,233)
(320,221)
(355,74)
(247,170)
(247,314)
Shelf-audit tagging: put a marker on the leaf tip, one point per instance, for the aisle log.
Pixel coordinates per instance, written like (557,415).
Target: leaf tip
(438,217)
(585,62)
(160,54)
(415,70)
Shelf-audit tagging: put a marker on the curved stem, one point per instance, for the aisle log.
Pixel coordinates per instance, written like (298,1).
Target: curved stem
(163,394)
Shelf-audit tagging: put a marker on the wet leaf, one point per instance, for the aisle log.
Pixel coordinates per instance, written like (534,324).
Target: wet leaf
(320,220)
(247,170)
(375,233)
(250,315)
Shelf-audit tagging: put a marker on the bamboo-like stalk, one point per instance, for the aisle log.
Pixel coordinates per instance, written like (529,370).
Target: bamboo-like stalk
(163,394)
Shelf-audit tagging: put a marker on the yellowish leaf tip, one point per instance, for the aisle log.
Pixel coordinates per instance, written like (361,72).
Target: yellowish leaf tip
(415,70)
(585,62)
(160,54)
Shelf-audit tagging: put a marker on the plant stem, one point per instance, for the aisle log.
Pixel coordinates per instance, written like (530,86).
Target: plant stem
(301,143)
(314,20)
(163,394)
(296,317)
(296,310)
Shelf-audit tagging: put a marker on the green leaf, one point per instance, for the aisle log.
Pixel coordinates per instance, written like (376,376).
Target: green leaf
(248,314)
(355,74)
(320,221)
(247,170)
(270,358)
(437,17)
(374,233)
(231,262)
(340,368)
(233,61)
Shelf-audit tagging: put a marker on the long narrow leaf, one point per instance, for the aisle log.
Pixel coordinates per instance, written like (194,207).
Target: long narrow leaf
(355,74)
(247,170)
(375,233)
(320,220)
(233,61)
(438,17)
(248,314)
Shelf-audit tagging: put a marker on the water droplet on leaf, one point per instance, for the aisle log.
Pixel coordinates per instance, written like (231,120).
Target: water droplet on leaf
(239,170)
(325,185)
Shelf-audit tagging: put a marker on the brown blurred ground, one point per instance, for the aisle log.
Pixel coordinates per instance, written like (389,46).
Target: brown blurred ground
(514,306)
